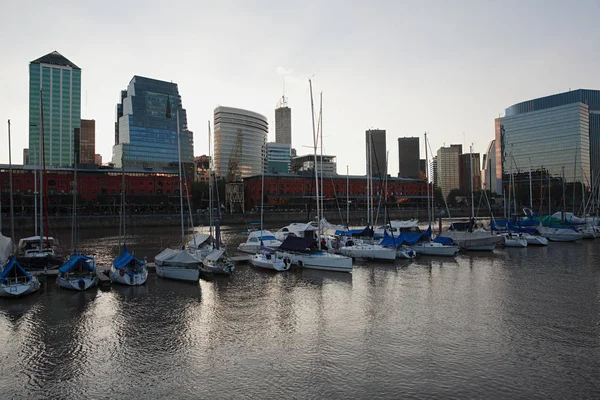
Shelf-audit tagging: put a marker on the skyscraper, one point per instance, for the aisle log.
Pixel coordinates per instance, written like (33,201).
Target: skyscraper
(375,140)
(448,168)
(87,141)
(547,134)
(59,81)
(278,158)
(408,157)
(283,123)
(146,131)
(252,129)
(470,162)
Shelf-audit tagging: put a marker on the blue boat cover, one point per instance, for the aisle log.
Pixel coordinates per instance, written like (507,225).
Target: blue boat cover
(366,232)
(443,240)
(124,259)
(9,269)
(298,244)
(76,261)
(404,238)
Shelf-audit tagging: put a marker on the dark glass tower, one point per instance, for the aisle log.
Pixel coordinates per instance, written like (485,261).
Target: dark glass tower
(146,130)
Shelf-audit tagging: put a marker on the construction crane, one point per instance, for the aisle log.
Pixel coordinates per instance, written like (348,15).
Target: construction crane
(234,188)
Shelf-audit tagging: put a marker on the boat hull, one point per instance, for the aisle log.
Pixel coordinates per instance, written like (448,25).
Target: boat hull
(19,289)
(272,263)
(320,260)
(474,241)
(373,252)
(435,249)
(76,283)
(560,235)
(535,240)
(187,274)
(128,278)
(515,242)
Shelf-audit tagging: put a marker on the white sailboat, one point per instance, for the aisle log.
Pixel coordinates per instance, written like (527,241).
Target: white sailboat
(253,243)
(170,263)
(472,238)
(265,256)
(429,247)
(514,240)
(304,253)
(558,234)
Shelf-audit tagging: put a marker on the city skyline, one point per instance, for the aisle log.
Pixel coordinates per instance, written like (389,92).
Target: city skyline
(452,80)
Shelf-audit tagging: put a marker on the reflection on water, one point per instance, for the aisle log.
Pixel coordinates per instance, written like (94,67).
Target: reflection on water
(517,323)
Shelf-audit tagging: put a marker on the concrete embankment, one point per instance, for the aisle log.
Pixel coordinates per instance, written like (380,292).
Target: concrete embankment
(270,219)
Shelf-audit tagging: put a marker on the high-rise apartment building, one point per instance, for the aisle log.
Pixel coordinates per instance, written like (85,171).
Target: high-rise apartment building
(408,157)
(448,168)
(146,134)
(87,141)
(488,172)
(470,172)
(547,134)
(375,141)
(59,82)
(98,159)
(283,123)
(248,151)
(278,158)
(433,172)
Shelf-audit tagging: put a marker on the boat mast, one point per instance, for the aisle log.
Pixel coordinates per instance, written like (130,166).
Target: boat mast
(542,193)
(123,191)
(180,178)
(530,188)
(321,162)
(10,174)
(43,182)
(74,213)
(564,198)
(262,197)
(210,207)
(347,197)
(471,179)
(427,182)
(312,112)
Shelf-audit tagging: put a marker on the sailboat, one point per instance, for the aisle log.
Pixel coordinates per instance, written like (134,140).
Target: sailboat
(512,239)
(79,272)
(39,251)
(170,263)
(126,269)
(14,280)
(210,253)
(266,256)
(303,251)
(369,250)
(431,247)
(469,236)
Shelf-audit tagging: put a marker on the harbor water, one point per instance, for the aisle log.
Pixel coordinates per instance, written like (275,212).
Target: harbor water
(515,323)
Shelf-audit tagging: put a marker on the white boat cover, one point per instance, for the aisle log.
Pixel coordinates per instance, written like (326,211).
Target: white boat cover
(179,258)
(215,255)
(6,249)
(198,240)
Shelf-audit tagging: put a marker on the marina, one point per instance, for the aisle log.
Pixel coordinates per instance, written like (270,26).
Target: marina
(509,323)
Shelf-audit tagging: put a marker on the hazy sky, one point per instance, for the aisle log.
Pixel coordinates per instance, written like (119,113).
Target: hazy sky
(445,67)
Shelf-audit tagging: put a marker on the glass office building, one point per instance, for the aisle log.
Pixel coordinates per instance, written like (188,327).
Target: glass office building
(146,129)
(554,134)
(252,128)
(59,81)
(278,157)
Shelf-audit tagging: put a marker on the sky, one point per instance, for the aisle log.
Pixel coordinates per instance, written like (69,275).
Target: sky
(445,68)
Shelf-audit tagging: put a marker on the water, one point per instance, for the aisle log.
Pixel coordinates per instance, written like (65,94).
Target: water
(518,323)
